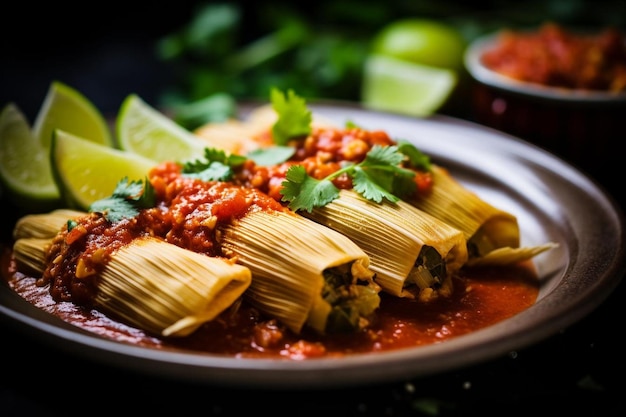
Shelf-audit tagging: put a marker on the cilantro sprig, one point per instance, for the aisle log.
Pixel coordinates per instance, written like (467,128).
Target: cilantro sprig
(127,199)
(294,117)
(216,166)
(379,176)
(384,173)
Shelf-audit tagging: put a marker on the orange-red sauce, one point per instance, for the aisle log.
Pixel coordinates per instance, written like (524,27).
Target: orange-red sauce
(554,56)
(322,152)
(481,297)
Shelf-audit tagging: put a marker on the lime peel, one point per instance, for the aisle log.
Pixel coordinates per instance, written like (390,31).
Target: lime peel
(399,86)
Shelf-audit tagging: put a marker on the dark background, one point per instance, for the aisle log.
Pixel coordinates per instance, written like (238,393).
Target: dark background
(107,51)
(110,50)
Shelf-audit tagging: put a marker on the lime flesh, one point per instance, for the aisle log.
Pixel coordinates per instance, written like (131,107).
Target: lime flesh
(143,130)
(67,109)
(24,165)
(399,86)
(87,171)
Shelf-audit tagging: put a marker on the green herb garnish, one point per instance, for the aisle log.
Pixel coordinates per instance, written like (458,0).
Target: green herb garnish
(416,158)
(271,155)
(217,166)
(127,199)
(379,176)
(294,117)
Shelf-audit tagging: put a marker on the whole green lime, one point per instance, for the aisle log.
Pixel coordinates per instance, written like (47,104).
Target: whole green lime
(423,41)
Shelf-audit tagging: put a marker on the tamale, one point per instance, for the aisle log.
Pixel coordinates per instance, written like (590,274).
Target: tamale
(30,254)
(303,273)
(166,289)
(151,284)
(409,250)
(492,234)
(43,225)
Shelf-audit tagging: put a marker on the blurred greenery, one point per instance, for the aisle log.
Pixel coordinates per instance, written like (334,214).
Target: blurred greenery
(231,51)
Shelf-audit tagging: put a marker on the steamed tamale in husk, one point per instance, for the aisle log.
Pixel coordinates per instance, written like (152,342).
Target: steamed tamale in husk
(151,284)
(30,254)
(43,225)
(241,136)
(493,235)
(412,253)
(303,273)
(161,287)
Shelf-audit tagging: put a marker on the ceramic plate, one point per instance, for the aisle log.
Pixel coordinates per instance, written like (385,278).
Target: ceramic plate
(553,202)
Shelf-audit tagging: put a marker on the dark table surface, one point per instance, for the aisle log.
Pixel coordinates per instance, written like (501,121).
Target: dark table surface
(581,369)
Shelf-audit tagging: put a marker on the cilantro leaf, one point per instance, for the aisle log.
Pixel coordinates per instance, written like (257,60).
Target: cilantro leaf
(215,171)
(272,155)
(294,118)
(383,156)
(417,159)
(127,199)
(372,185)
(217,165)
(305,192)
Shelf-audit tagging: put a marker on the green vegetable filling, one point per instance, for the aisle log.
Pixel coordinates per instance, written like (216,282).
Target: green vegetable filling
(429,270)
(350,303)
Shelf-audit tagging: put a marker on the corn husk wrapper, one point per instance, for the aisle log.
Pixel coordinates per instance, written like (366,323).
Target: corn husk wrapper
(43,225)
(166,289)
(242,136)
(493,235)
(151,284)
(30,254)
(393,235)
(288,255)
(232,136)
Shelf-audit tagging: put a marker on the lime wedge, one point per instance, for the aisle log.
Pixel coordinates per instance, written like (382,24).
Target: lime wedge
(399,86)
(67,109)
(143,130)
(86,171)
(24,165)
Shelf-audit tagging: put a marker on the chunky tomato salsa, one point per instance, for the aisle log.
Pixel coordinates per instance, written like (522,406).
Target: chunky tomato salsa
(555,56)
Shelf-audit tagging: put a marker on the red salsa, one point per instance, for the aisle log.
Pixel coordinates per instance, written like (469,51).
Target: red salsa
(323,152)
(481,297)
(554,56)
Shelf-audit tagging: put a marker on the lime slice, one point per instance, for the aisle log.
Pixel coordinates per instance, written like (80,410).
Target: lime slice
(87,171)
(422,41)
(67,109)
(24,165)
(399,86)
(143,130)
